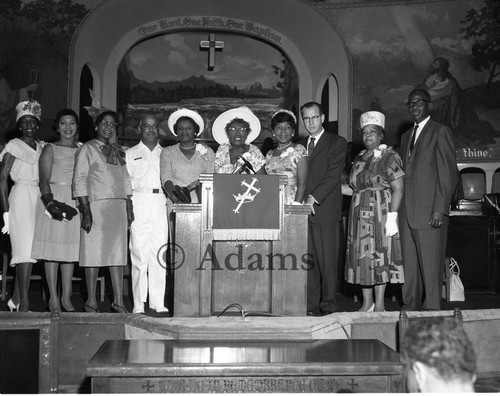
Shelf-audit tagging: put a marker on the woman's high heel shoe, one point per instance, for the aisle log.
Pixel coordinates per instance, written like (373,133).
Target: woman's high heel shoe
(13,307)
(90,309)
(118,308)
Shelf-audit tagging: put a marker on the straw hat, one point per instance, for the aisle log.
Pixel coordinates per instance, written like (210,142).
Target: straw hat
(372,118)
(185,113)
(29,107)
(244,113)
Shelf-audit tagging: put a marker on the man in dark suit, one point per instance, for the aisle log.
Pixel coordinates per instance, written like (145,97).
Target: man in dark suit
(323,192)
(428,153)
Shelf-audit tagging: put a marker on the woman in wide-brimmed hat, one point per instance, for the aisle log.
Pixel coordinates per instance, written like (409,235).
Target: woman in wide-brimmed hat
(235,130)
(182,163)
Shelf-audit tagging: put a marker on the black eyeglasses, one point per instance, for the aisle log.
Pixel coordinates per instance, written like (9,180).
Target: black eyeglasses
(233,129)
(109,123)
(417,103)
(313,118)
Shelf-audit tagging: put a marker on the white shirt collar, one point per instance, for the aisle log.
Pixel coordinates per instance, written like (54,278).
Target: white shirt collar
(144,147)
(316,137)
(421,124)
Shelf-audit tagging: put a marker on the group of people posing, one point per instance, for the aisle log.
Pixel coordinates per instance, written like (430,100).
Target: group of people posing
(115,189)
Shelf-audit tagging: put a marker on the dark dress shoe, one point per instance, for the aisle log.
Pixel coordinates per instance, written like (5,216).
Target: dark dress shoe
(313,313)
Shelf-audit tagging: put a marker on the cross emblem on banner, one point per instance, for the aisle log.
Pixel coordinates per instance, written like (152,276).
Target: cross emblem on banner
(212,46)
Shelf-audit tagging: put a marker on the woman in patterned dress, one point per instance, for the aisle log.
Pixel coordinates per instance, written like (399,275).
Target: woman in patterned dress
(57,238)
(373,244)
(20,161)
(235,130)
(288,158)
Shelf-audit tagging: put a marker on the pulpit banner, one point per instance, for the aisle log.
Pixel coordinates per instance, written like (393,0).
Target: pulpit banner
(246,207)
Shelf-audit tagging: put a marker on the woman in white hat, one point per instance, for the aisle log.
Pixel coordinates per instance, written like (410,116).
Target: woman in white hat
(373,244)
(235,130)
(20,161)
(182,163)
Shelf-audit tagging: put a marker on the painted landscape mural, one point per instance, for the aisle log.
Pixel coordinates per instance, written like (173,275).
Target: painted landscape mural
(172,71)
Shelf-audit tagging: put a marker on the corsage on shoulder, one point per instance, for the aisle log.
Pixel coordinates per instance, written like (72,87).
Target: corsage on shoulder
(377,153)
(287,152)
(202,150)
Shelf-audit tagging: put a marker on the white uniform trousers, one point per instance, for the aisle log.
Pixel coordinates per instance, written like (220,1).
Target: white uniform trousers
(149,232)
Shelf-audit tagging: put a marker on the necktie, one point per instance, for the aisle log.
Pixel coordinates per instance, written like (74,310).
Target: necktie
(413,138)
(310,146)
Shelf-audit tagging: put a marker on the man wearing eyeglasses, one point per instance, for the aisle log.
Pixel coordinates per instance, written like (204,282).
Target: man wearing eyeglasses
(429,163)
(326,153)
(149,230)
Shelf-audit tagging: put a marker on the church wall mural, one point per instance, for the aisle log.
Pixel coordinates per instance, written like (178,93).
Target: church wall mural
(181,70)
(448,46)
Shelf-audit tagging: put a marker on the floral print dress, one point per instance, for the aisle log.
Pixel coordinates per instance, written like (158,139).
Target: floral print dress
(372,257)
(223,160)
(286,164)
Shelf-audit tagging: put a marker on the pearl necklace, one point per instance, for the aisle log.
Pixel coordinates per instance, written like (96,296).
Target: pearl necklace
(187,148)
(286,145)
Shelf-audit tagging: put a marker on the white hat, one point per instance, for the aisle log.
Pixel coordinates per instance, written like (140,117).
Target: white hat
(372,118)
(29,107)
(185,113)
(244,113)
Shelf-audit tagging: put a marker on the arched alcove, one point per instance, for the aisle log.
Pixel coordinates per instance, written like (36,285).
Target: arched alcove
(314,46)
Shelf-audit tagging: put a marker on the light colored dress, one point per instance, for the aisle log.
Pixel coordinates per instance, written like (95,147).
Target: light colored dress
(182,171)
(58,240)
(286,164)
(372,257)
(223,159)
(22,198)
(107,187)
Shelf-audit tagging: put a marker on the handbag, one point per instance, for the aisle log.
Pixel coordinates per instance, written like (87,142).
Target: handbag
(454,288)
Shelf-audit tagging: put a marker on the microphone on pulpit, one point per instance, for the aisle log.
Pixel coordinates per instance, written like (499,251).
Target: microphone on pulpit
(243,164)
(248,165)
(239,168)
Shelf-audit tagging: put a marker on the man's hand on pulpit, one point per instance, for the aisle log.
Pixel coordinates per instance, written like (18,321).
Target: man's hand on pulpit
(310,201)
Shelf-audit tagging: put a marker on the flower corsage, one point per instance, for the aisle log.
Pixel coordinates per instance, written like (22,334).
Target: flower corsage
(202,150)
(377,153)
(285,153)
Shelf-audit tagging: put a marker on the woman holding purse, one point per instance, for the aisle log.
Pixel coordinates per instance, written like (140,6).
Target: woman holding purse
(57,226)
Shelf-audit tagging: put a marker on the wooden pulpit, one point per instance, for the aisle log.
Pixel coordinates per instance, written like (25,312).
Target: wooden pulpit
(262,270)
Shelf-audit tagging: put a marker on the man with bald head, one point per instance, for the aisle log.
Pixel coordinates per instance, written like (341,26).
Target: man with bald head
(149,229)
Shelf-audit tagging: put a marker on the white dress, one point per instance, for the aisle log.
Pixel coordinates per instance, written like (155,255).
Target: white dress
(22,198)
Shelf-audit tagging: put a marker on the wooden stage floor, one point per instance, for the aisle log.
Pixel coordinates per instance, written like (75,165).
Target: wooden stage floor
(474,301)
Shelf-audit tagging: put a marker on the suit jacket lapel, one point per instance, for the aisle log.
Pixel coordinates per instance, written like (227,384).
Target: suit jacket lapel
(320,146)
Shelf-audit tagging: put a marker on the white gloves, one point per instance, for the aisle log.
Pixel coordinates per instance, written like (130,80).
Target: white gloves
(5,228)
(391,224)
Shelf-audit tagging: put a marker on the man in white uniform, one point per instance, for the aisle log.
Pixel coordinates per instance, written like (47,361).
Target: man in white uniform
(149,230)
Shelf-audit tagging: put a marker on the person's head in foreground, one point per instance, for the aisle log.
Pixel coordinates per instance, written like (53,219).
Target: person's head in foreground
(439,356)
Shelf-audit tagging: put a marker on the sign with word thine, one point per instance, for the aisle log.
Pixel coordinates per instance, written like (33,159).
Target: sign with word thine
(246,207)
